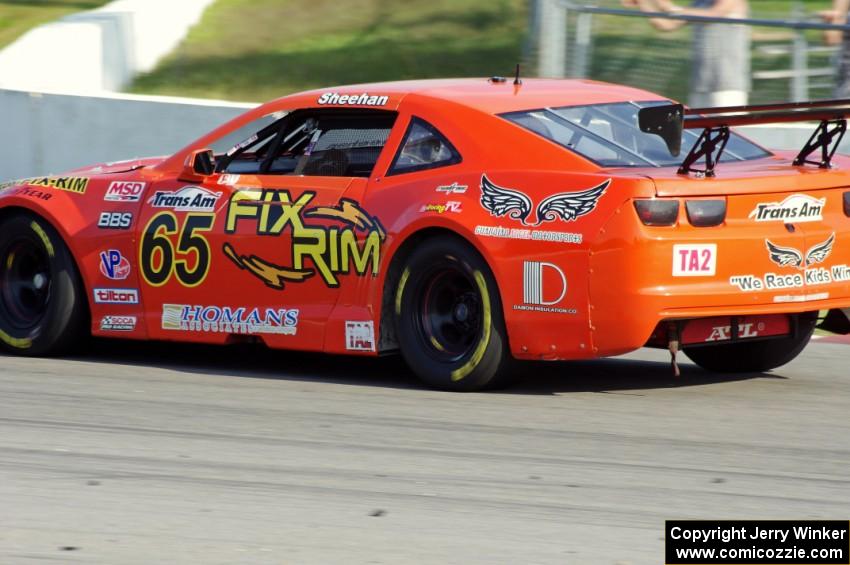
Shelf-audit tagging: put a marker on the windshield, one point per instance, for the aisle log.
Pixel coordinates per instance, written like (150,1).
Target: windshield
(608,135)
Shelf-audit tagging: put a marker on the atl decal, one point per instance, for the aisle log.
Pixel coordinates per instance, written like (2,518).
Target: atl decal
(353,245)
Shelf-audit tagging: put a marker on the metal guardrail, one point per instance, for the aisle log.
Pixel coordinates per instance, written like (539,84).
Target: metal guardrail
(550,26)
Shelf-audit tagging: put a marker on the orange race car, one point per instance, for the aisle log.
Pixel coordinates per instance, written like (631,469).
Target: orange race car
(464,223)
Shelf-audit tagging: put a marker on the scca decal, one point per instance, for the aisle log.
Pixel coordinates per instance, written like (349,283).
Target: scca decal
(160,258)
(332,250)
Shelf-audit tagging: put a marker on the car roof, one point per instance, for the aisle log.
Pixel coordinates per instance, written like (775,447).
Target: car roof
(492,95)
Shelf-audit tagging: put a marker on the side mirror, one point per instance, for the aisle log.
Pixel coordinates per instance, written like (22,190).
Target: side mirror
(199,165)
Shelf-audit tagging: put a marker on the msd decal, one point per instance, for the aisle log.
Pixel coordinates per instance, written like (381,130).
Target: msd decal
(124,191)
(187,199)
(695,260)
(113,265)
(796,208)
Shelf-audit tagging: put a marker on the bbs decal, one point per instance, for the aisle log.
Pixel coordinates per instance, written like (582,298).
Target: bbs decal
(114,220)
(169,249)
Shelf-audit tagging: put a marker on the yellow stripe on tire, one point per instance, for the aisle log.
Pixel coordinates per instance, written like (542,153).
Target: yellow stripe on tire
(478,354)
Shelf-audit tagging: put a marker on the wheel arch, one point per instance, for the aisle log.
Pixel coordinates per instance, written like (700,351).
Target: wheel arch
(12,209)
(387,340)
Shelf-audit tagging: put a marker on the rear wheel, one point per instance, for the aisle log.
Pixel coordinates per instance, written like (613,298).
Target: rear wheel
(449,318)
(756,356)
(42,308)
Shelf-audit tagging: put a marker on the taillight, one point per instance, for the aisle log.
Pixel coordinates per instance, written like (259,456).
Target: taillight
(847,203)
(657,212)
(706,213)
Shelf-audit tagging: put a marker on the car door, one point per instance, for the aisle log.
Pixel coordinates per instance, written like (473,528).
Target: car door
(283,229)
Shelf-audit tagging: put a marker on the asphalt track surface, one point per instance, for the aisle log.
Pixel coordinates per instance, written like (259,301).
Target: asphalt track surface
(153,453)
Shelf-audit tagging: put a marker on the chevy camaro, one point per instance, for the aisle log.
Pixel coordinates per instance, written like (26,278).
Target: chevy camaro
(463,223)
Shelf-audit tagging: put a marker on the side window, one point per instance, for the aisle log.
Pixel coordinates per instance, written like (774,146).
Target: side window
(331,143)
(424,147)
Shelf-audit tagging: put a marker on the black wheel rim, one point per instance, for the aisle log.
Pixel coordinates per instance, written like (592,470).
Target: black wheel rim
(450,313)
(24,282)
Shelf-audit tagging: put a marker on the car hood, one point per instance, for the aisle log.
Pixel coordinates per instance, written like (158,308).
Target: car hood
(118,166)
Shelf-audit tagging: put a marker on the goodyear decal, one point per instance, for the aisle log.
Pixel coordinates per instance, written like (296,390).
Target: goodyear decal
(77,185)
(354,244)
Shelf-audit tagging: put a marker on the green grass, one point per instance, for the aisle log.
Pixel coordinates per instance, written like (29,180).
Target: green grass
(19,16)
(261,49)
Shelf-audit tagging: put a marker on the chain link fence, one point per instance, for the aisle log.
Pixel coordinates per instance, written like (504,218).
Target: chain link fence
(605,41)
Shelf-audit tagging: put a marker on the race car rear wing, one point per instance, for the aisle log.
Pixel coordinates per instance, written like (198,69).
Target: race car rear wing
(669,122)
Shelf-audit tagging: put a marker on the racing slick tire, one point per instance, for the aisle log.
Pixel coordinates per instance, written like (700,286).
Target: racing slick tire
(449,320)
(43,310)
(757,356)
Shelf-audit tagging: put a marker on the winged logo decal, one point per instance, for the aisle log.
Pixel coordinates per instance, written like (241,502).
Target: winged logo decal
(501,201)
(564,206)
(790,257)
(819,252)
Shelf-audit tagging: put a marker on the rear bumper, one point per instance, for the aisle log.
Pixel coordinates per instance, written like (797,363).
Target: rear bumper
(634,284)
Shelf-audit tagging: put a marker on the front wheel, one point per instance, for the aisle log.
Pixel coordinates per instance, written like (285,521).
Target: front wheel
(449,318)
(757,356)
(42,307)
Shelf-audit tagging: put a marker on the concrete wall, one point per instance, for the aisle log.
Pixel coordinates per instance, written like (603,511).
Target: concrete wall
(98,50)
(43,133)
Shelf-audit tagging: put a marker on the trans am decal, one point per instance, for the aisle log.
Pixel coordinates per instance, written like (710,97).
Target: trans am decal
(330,250)
(795,208)
(516,205)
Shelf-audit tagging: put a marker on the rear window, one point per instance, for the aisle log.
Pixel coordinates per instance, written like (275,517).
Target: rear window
(608,135)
